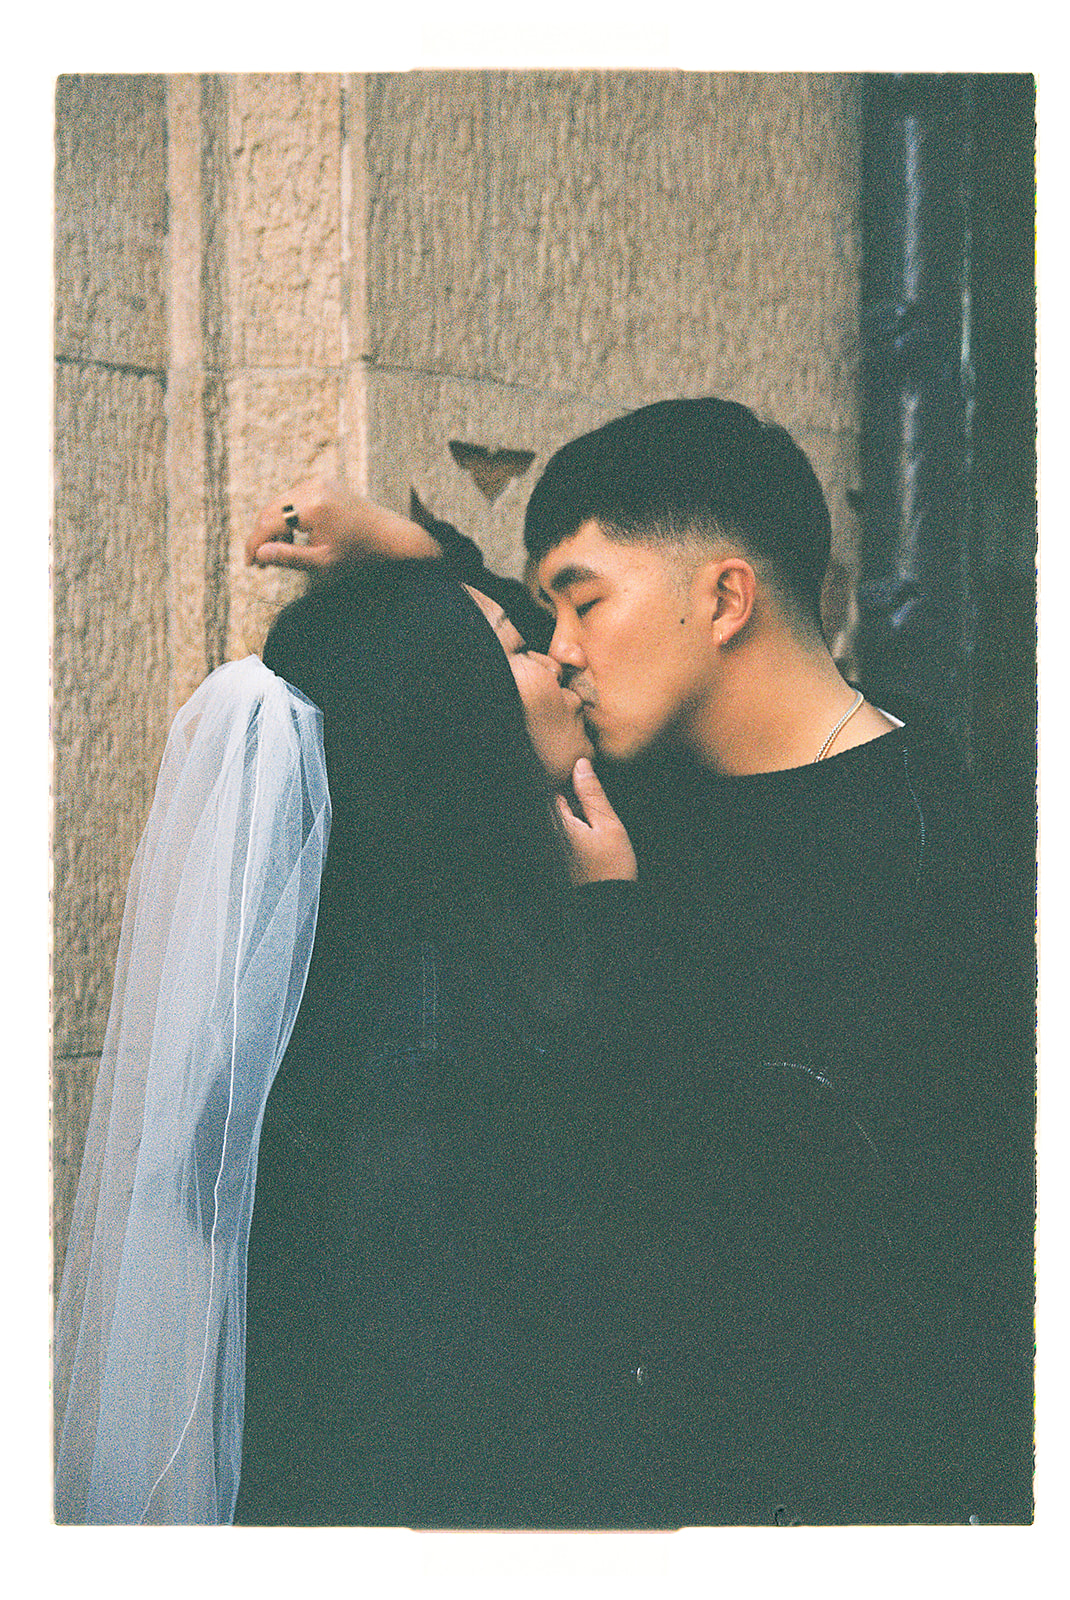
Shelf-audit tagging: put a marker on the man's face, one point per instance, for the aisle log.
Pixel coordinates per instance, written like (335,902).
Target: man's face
(630,628)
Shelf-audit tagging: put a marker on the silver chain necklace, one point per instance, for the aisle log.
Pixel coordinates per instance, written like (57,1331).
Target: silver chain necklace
(844,720)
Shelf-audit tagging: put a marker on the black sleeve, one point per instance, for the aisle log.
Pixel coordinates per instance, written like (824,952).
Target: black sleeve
(628,1015)
(617,930)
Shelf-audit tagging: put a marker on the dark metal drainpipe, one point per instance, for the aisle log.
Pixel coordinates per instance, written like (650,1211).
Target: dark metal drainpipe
(915,607)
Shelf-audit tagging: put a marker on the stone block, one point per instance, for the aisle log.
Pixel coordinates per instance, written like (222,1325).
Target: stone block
(110,674)
(426,176)
(109,230)
(281,427)
(619,236)
(283,200)
(185,278)
(411,421)
(73,1081)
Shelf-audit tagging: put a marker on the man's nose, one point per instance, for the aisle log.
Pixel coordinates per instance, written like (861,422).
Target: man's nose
(567,650)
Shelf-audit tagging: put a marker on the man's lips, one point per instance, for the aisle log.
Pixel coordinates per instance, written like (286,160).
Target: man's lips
(585,696)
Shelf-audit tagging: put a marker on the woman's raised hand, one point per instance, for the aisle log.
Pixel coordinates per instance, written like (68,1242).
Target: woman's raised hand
(601,848)
(341,527)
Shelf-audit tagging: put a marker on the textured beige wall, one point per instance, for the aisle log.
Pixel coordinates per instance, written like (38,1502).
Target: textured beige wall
(110,671)
(545,250)
(260,276)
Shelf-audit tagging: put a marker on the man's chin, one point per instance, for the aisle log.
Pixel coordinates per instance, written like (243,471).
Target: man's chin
(615,744)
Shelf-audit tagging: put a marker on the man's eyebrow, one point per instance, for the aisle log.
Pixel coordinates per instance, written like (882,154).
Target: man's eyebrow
(568,576)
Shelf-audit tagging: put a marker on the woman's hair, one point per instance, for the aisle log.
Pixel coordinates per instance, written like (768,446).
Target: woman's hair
(442,822)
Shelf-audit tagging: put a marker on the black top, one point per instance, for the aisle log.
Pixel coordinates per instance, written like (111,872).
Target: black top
(824,947)
(724,1246)
(796,899)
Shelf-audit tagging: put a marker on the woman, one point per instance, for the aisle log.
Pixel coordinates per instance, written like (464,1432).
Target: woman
(444,969)
(405,1193)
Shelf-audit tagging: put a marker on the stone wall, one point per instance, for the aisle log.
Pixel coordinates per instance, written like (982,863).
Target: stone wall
(110,555)
(545,250)
(262,276)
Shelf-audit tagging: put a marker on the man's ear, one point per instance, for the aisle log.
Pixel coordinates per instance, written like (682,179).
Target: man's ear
(728,589)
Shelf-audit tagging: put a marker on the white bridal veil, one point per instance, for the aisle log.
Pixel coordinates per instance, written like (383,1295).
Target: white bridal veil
(216,940)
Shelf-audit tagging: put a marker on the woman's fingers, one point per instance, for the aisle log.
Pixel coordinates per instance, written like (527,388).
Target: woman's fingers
(600,844)
(315,508)
(271,534)
(591,795)
(277,553)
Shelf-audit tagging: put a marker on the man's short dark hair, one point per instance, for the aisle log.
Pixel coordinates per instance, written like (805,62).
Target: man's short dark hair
(684,468)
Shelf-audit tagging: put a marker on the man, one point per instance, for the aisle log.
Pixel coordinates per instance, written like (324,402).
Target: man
(806,965)
(818,888)
(682,549)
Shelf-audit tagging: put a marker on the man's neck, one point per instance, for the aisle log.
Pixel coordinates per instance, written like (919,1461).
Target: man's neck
(775,705)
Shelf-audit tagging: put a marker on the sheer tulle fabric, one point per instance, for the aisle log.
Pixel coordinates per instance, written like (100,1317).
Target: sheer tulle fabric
(216,941)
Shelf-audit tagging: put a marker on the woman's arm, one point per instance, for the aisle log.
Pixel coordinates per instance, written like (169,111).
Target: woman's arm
(342,527)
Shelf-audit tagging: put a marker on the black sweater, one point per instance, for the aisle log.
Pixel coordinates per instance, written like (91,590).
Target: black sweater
(724,1249)
(813,980)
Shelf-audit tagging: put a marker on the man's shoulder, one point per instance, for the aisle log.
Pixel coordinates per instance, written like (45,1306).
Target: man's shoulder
(924,730)
(916,764)
(934,767)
